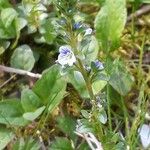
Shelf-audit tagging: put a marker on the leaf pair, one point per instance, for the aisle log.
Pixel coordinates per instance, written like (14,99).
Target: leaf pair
(47,92)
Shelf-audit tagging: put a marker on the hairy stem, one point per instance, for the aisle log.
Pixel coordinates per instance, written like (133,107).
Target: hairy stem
(108,108)
(87,80)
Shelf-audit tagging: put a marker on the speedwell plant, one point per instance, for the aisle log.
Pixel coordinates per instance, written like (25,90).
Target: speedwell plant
(85,63)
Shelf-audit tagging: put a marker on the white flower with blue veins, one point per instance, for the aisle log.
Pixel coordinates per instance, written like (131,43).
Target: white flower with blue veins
(88,31)
(66,56)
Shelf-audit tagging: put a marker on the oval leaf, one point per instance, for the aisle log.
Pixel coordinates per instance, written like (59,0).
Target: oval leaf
(23,58)
(29,100)
(11,112)
(110,22)
(51,87)
(8,15)
(6,137)
(33,115)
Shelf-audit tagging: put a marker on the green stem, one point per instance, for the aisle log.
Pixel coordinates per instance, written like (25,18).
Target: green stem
(16,41)
(140,63)
(108,108)
(45,115)
(87,80)
(139,118)
(108,92)
(98,126)
(125,117)
(132,21)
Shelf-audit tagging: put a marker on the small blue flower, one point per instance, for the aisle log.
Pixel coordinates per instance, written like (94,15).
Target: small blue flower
(88,31)
(98,65)
(77,25)
(66,56)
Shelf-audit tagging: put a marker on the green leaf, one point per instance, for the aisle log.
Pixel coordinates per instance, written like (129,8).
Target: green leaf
(61,144)
(90,48)
(57,96)
(11,112)
(20,24)
(99,81)
(141,1)
(5,137)
(120,79)
(110,22)
(102,116)
(98,85)
(77,80)
(67,125)
(33,115)
(84,126)
(85,114)
(3,46)
(48,31)
(121,82)
(7,33)
(145,1)
(84,146)
(113,141)
(115,97)
(51,87)
(27,144)
(23,58)
(29,100)
(2,50)
(4,4)
(8,15)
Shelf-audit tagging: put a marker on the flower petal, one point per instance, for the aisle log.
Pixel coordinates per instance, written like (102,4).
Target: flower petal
(66,56)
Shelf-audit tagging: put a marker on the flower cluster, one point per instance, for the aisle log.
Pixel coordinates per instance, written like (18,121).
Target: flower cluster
(66,55)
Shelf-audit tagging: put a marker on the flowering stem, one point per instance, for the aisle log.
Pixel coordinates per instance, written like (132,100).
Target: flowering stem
(87,80)
(98,126)
(80,67)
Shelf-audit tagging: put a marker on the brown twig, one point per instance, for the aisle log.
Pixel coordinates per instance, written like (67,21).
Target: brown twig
(19,71)
(7,81)
(140,12)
